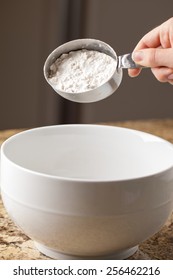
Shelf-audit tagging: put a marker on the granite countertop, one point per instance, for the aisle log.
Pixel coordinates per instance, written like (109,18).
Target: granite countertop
(15,245)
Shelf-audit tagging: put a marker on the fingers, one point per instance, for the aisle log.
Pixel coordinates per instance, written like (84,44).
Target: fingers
(152,57)
(159,36)
(150,40)
(134,72)
(163,74)
(170,78)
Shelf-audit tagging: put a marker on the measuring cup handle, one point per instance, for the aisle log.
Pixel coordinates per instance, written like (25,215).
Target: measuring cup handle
(126,61)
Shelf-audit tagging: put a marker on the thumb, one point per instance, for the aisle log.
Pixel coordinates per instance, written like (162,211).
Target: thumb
(154,57)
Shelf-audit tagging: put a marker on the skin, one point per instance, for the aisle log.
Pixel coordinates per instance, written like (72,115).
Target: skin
(155,50)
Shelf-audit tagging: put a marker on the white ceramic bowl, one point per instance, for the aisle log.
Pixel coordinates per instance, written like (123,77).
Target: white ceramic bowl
(87,191)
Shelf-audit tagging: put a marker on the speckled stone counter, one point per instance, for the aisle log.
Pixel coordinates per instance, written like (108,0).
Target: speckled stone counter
(15,245)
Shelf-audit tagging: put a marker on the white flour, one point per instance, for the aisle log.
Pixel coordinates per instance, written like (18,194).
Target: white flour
(82,70)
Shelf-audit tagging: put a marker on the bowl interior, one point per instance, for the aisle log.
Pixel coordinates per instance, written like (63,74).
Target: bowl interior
(89,152)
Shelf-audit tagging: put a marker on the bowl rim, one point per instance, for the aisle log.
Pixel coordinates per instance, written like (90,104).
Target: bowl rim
(84,180)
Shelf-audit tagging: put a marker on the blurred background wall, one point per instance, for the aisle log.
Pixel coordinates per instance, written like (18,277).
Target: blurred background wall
(30,30)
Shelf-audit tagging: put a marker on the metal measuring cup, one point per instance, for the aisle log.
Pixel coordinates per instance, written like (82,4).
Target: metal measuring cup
(102,91)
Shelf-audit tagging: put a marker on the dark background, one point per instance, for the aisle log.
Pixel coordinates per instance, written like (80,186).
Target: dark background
(30,30)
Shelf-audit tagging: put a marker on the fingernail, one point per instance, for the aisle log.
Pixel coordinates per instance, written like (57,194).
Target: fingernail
(137,56)
(170,77)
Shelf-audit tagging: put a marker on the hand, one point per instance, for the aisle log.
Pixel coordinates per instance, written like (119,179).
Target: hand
(155,50)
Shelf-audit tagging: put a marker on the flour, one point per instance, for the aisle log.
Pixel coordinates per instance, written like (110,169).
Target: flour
(81,70)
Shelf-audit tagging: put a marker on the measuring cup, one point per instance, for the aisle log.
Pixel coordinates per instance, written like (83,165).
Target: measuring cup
(102,91)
